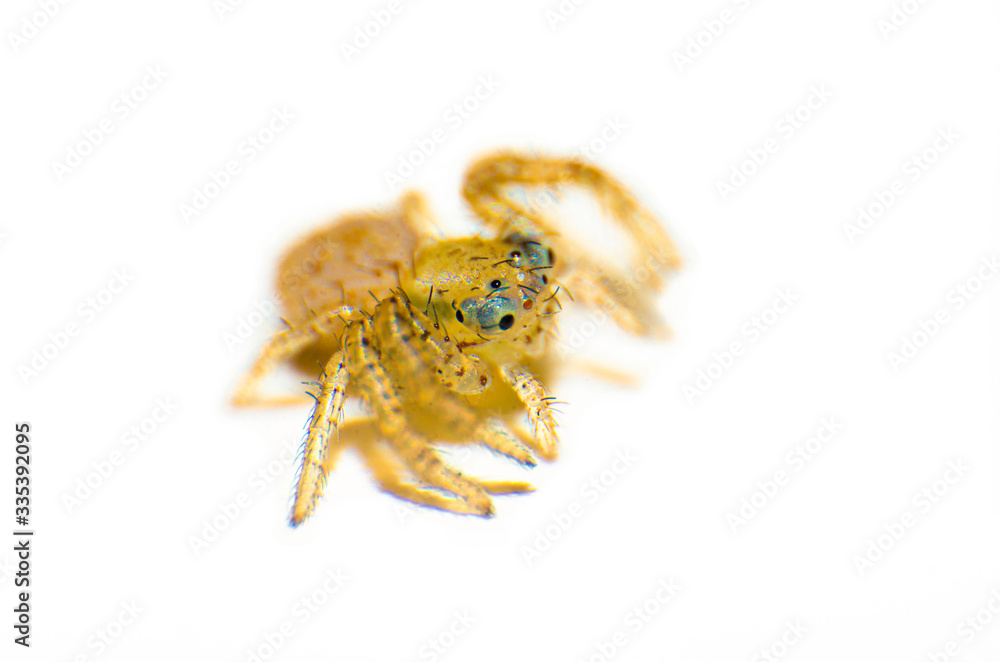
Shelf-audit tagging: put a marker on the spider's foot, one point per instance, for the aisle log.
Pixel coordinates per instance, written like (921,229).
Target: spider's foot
(500,487)
(546,437)
(495,435)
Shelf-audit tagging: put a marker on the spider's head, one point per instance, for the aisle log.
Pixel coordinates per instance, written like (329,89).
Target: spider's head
(492,289)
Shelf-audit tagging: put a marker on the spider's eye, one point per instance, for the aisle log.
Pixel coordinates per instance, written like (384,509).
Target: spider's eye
(493,311)
(459,316)
(537,254)
(496,284)
(552,257)
(515,254)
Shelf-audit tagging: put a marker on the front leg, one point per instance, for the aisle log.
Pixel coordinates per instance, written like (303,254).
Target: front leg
(381,394)
(540,413)
(323,426)
(487,191)
(282,347)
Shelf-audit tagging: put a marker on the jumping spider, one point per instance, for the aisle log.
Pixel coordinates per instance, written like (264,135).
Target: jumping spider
(443,339)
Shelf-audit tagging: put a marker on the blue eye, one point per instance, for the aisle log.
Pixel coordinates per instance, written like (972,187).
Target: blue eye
(496,311)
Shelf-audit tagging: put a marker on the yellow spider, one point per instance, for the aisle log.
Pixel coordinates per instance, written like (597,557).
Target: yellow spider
(445,340)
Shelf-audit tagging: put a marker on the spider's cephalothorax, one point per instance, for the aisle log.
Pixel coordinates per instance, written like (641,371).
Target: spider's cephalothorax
(436,336)
(488,290)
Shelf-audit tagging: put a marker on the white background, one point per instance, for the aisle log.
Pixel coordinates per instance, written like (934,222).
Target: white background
(666,517)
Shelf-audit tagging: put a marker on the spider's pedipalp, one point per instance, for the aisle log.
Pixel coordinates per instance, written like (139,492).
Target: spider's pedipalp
(532,394)
(433,347)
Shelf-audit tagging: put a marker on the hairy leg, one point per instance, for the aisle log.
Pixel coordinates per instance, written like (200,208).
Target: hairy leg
(413,449)
(322,426)
(283,346)
(389,471)
(620,298)
(487,179)
(416,357)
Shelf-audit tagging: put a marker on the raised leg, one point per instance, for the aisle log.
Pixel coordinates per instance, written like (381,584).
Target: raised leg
(623,294)
(485,190)
(417,213)
(622,299)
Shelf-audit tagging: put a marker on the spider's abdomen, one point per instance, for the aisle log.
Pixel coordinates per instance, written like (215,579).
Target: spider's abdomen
(342,263)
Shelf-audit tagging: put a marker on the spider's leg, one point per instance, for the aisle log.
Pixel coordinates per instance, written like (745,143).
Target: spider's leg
(417,213)
(486,190)
(281,347)
(621,299)
(495,435)
(599,370)
(500,487)
(407,339)
(540,413)
(323,425)
(388,470)
(491,432)
(352,434)
(625,298)
(414,450)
